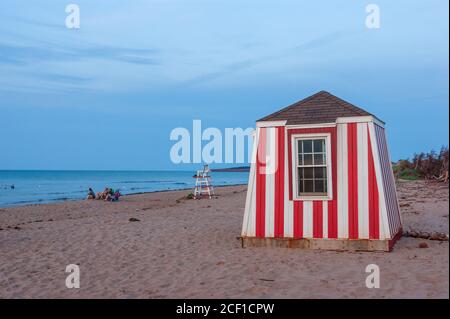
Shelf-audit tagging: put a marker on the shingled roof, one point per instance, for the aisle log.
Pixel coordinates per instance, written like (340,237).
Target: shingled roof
(322,107)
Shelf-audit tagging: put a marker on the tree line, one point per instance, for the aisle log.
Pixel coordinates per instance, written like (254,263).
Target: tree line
(431,166)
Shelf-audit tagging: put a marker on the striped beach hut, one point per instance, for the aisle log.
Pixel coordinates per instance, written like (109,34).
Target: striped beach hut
(321,178)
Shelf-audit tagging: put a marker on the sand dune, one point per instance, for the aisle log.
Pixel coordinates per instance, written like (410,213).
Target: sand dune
(189,249)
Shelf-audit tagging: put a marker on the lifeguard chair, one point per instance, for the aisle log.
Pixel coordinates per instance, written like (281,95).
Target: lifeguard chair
(203,184)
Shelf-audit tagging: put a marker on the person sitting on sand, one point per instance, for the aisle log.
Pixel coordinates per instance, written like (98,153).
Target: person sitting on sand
(113,198)
(108,198)
(91,194)
(102,195)
(106,192)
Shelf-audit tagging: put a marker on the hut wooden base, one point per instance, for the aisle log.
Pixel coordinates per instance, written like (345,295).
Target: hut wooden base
(324,244)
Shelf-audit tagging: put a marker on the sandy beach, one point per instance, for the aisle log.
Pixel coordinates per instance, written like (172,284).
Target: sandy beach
(184,248)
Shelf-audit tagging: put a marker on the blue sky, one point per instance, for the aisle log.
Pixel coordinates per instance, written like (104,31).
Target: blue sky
(106,96)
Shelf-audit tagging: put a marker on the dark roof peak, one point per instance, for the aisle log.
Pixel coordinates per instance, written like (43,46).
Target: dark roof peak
(321,107)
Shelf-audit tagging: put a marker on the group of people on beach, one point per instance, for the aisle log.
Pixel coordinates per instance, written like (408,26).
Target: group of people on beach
(108,195)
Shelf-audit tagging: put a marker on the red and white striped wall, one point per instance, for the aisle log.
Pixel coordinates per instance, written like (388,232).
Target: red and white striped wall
(364,201)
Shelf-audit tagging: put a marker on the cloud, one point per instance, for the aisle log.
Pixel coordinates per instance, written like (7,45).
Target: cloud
(63,78)
(319,41)
(22,55)
(248,63)
(230,68)
(47,51)
(18,19)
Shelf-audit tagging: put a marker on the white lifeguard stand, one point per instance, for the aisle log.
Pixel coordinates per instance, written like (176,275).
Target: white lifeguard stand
(203,184)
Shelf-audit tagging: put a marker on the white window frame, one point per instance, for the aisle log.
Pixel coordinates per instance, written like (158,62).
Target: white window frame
(294,152)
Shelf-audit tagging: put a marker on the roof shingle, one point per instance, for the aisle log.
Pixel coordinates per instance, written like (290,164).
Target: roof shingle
(322,107)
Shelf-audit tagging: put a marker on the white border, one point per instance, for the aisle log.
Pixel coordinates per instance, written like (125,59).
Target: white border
(270,123)
(342,180)
(294,138)
(271,144)
(359,119)
(339,120)
(248,227)
(317,125)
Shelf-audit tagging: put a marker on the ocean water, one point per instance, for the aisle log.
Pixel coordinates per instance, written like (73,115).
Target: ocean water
(31,187)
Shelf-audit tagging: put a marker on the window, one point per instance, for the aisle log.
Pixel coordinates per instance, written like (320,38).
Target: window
(312,170)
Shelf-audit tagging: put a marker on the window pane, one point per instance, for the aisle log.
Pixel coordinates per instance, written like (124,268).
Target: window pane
(300,180)
(319,186)
(312,179)
(307,159)
(309,186)
(308,171)
(307,146)
(320,172)
(300,152)
(318,159)
(319,146)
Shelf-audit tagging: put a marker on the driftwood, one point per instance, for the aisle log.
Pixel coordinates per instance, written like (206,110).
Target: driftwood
(431,166)
(441,178)
(426,235)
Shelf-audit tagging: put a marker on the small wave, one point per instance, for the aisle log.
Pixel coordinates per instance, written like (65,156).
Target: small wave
(53,193)
(58,193)
(22,202)
(61,198)
(137,188)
